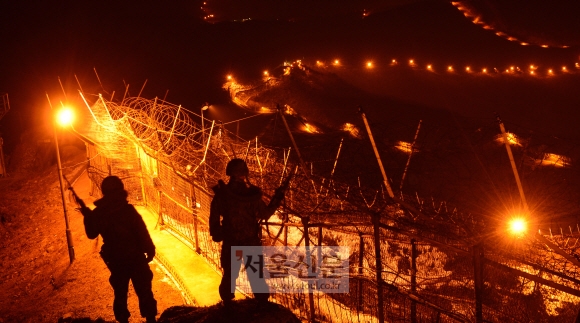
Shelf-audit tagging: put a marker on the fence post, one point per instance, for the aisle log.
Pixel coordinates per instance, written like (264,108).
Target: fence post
(413,279)
(478,257)
(309,262)
(193,207)
(379,267)
(361,249)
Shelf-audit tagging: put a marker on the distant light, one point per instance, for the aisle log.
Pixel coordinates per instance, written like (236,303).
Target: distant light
(550,71)
(518,226)
(229,77)
(450,68)
(369,64)
(467,69)
(336,62)
(405,147)
(577,65)
(511,68)
(524,44)
(532,72)
(266,73)
(545,46)
(429,67)
(411,62)
(550,159)
(564,68)
(484,70)
(65,116)
(512,139)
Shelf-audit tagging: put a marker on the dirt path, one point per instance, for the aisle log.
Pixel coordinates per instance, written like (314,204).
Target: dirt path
(37,282)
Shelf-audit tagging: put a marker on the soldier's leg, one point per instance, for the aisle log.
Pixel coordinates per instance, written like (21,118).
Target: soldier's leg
(120,282)
(229,277)
(142,277)
(258,281)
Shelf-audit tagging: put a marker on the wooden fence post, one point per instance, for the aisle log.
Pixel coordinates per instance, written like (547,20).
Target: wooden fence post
(193,207)
(379,267)
(361,249)
(478,258)
(413,279)
(309,262)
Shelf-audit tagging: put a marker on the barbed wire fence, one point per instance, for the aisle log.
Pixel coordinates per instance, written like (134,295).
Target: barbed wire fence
(412,258)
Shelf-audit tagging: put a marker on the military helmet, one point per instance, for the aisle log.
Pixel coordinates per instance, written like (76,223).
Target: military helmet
(112,185)
(237,167)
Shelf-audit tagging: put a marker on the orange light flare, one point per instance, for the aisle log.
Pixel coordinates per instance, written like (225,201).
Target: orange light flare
(406,147)
(468,69)
(577,65)
(369,64)
(229,77)
(518,226)
(484,71)
(564,69)
(394,62)
(411,62)
(550,71)
(449,68)
(550,159)
(65,116)
(429,67)
(512,139)
(336,62)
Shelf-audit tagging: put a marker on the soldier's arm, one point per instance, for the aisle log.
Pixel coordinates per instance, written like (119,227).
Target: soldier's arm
(145,242)
(92,223)
(215,227)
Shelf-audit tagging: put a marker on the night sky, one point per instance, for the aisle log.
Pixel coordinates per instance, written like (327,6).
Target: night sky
(174,48)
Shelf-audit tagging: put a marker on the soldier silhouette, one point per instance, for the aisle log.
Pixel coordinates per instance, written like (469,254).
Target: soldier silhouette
(235,214)
(127,248)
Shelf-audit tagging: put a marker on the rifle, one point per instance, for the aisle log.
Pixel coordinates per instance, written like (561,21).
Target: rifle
(79,201)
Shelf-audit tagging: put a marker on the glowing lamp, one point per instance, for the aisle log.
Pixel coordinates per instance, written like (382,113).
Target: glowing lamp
(65,116)
(518,226)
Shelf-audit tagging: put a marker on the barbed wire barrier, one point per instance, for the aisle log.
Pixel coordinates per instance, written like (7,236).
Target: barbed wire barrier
(412,259)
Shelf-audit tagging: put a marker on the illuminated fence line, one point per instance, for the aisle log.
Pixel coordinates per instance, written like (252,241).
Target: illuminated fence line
(159,176)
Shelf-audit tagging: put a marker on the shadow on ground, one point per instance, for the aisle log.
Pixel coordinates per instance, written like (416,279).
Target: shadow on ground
(243,311)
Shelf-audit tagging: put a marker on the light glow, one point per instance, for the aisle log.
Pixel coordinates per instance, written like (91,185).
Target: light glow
(65,116)
(518,226)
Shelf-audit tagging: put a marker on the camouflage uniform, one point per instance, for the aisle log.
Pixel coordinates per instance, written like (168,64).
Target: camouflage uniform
(125,243)
(240,208)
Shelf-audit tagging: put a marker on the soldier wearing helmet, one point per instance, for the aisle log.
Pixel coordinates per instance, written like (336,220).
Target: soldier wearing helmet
(127,248)
(236,211)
